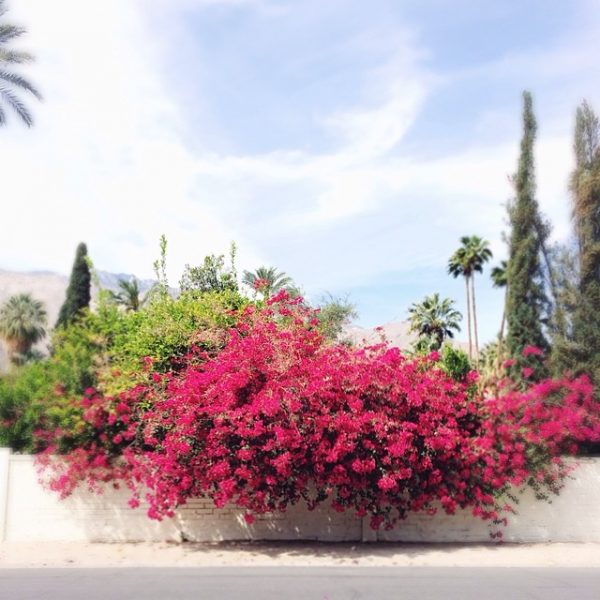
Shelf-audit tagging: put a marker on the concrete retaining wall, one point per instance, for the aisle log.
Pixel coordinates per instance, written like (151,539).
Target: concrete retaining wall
(30,513)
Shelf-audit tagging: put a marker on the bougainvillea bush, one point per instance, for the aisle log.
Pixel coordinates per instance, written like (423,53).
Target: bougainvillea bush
(281,416)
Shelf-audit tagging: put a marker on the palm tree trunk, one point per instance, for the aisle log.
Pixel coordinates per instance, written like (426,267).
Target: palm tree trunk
(500,349)
(469,317)
(475,318)
(16,347)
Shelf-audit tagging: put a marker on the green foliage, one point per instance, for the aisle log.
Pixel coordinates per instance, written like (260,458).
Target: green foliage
(334,314)
(434,320)
(164,332)
(129,295)
(19,392)
(107,350)
(455,362)
(12,82)
(79,290)
(585,189)
(40,395)
(267,281)
(499,274)
(526,302)
(211,276)
(470,257)
(490,365)
(160,268)
(22,324)
(564,352)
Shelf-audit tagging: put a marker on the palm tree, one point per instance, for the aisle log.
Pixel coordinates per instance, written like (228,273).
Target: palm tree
(22,323)
(129,295)
(9,79)
(499,276)
(268,281)
(434,320)
(466,261)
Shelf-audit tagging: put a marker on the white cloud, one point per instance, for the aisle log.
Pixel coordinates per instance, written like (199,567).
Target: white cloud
(106,162)
(345,180)
(371,133)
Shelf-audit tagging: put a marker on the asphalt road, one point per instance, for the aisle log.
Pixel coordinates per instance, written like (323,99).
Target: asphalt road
(301,583)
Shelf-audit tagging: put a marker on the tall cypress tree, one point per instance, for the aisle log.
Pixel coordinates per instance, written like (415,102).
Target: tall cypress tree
(78,292)
(585,189)
(526,302)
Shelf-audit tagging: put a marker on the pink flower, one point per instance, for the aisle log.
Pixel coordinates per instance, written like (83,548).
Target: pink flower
(386,483)
(275,412)
(147,363)
(260,284)
(532,351)
(527,372)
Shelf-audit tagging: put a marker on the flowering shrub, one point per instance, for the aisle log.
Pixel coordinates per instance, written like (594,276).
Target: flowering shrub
(279,416)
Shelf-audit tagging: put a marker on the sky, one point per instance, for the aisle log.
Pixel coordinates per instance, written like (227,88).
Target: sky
(348,143)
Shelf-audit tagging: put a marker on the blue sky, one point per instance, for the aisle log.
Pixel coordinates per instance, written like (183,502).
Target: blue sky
(348,143)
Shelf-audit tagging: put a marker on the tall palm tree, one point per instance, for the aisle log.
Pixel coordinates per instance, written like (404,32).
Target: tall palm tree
(268,281)
(23,322)
(466,261)
(434,320)
(129,295)
(499,276)
(11,81)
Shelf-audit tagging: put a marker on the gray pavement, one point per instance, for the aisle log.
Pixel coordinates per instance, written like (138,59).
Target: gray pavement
(301,583)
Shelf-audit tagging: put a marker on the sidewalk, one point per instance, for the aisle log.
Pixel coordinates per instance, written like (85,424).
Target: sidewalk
(144,554)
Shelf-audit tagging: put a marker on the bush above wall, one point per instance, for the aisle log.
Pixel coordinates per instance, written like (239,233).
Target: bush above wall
(278,416)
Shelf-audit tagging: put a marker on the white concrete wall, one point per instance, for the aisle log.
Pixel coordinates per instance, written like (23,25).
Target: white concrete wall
(572,516)
(30,513)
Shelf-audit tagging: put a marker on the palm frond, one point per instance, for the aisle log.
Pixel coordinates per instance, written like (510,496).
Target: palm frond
(20,82)
(23,320)
(15,57)
(10,81)
(17,106)
(10,32)
(499,274)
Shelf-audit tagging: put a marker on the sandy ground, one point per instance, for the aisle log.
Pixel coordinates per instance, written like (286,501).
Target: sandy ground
(82,554)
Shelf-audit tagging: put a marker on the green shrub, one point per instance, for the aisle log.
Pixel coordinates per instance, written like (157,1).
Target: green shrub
(106,350)
(455,362)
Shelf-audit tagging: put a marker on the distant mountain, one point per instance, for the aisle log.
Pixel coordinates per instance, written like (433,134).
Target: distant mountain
(50,288)
(110,281)
(396,333)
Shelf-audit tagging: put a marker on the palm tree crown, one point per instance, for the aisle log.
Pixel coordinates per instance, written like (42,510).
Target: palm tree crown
(9,79)
(129,295)
(500,274)
(469,259)
(434,320)
(22,323)
(268,281)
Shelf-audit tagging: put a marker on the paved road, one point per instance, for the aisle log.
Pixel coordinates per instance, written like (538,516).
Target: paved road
(301,583)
